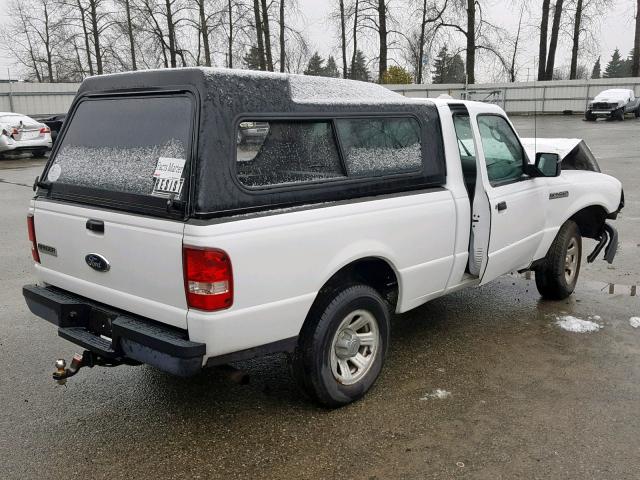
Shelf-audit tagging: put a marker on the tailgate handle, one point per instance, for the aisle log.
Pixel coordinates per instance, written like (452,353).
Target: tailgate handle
(95,225)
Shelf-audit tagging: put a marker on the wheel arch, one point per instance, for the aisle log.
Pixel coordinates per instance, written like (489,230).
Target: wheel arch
(375,271)
(590,220)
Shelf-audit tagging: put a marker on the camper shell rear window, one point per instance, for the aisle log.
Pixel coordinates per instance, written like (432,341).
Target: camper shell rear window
(130,151)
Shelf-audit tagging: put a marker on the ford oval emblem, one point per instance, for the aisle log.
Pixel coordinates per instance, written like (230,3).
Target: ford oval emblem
(97,262)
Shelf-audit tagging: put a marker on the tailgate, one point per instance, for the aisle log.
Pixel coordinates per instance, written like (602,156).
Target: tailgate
(144,274)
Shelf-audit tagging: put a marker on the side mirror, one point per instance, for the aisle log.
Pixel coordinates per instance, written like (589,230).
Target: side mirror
(548,164)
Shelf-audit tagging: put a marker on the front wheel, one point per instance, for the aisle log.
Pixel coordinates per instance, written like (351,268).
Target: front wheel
(557,276)
(342,346)
(637,112)
(589,117)
(619,114)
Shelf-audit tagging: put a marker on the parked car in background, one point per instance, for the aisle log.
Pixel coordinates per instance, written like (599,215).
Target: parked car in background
(19,133)
(55,124)
(613,103)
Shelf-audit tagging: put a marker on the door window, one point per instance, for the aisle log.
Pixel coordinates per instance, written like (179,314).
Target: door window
(503,152)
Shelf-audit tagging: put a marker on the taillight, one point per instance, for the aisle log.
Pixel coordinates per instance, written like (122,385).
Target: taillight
(208,279)
(31,227)
(45,130)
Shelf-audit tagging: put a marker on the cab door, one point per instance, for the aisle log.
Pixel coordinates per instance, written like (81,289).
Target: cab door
(508,208)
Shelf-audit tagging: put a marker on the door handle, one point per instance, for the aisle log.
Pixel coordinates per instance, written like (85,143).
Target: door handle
(501,206)
(95,225)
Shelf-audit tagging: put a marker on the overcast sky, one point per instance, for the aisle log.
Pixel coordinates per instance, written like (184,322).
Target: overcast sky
(616,30)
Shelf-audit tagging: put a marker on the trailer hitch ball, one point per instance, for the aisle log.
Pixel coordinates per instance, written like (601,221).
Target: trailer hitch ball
(62,372)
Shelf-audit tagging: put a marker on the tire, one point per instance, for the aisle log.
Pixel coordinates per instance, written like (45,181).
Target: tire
(637,112)
(619,115)
(557,276)
(327,345)
(589,117)
(39,153)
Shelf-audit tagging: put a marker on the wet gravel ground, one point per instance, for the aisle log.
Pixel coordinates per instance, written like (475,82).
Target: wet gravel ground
(526,399)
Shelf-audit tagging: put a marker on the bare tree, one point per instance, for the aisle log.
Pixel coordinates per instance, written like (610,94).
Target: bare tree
(282,37)
(343,39)
(259,34)
(267,35)
(553,42)
(425,20)
(478,33)
(576,40)
(512,66)
(544,27)
(35,37)
(635,62)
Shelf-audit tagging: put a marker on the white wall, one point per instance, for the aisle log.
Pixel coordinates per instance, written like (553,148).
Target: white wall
(37,98)
(526,97)
(545,97)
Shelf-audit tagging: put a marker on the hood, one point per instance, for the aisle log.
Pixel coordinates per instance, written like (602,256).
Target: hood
(561,146)
(611,96)
(574,153)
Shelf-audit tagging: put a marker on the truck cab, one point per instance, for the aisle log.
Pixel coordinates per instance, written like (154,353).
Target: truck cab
(193,217)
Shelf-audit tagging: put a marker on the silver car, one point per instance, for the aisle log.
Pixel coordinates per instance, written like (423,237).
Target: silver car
(19,133)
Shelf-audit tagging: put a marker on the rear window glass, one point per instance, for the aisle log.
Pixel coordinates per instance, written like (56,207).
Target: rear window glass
(134,145)
(380,146)
(284,152)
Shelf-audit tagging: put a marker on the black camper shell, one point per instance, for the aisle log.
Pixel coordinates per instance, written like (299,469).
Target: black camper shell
(220,101)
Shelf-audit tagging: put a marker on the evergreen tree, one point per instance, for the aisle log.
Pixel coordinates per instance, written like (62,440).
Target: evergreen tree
(455,72)
(595,73)
(359,70)
(615,67)
(448,68)
(627,65)
(331,70)
(439,71)
(251,59)
(315,66)
(396,76)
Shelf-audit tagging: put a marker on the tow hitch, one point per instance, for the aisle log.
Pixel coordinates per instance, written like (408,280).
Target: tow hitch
(86,359)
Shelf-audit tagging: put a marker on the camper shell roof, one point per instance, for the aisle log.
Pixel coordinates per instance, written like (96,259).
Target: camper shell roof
(224,97)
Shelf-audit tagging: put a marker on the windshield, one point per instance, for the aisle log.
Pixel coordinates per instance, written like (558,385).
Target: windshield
(134,145)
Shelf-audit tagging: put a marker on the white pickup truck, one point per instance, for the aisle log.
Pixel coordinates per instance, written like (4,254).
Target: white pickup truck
(194,217)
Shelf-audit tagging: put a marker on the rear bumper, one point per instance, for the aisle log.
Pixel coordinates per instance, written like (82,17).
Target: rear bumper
(114,334)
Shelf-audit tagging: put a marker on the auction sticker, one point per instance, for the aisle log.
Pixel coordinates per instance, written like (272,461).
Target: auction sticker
(167,178)
(54,172)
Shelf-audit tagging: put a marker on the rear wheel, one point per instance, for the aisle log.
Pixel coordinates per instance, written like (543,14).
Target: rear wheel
(342,346)
(557,276)
(39,153)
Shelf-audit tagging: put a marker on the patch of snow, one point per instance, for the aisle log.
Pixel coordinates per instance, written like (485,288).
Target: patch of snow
(437,393)
(577,325)
(365,160)
(310,89)
(634,322)
(116,168)
(596,318)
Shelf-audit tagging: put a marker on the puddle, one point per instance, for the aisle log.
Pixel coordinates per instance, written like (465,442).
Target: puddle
(612,288)
(604,287)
